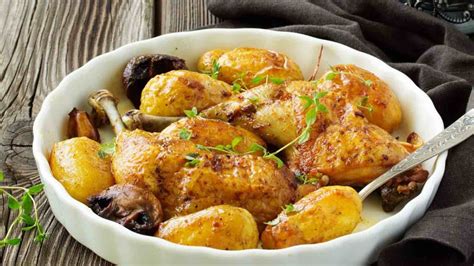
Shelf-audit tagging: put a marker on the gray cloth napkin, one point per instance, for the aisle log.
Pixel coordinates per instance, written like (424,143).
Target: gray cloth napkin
(438,58)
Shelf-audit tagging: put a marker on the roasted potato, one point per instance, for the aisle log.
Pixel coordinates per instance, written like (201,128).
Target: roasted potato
(243,65)
(171,93)
(135,159)
(141,69)
(322,215)
(76,164)
(210,132)
(222,227)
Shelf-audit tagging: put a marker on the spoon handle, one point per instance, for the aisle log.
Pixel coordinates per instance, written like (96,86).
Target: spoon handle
(456,133)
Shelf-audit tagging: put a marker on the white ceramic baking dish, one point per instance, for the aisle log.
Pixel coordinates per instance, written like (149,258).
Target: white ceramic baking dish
(119,245)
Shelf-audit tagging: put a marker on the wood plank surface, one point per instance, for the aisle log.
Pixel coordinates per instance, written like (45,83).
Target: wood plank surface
(41,42)
(183,15)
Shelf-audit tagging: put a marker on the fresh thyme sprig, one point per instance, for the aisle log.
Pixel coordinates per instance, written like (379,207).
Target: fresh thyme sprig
(364,104)
(334,72)
(304,179)
(185,134)
(228,148)
(192,159)
(25,205)
(274,80)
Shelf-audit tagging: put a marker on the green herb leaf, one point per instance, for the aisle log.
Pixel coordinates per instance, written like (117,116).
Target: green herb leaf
(13,203)
(253,100)
(322,108)
(35,189)
(310,117)
(40,238)
(257,147)
(236,142)
(308,101)
(185,134)
(304,136)
(192,159)
(364,103)
(276,80)
(330,75)
(257,79)
(236,88)
(289,208)
(319,95)
(277,160)
(13,241)
(368,82)
(26,203)
(106,149)
(191,113)
(2,176)
(215,69)
(28,220)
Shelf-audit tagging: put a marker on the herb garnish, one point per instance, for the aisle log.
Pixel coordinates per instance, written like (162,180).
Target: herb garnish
(25,205)
(274,80)
(229,148)
(314,107)
(303,179)
(215,69)
(364,103)
(106,149)
(191,113)
(185,134)
(289,208)
(192,159)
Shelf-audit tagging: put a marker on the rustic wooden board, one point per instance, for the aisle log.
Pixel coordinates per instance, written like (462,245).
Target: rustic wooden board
(183,15)
(40,43)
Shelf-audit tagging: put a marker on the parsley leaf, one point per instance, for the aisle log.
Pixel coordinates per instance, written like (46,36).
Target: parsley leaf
(185,134)
(236,88)
(2,176)
(289,208)
(364,104)
(191,113)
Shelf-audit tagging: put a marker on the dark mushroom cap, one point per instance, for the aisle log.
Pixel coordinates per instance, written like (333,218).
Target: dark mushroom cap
(133,207)
(141,69)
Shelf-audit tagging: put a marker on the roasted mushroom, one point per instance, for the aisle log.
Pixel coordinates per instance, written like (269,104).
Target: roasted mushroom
(80,125)
(133,207)
(141,69)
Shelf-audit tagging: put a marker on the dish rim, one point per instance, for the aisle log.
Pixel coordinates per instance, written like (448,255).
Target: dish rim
(424,197)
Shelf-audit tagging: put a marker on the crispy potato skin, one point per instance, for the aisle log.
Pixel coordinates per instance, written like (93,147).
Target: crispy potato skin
(171,93)
(248,63)
(322,215)
(76,164)
(135,159)
(207,59)
(209,132)
(222,227)
(246,181)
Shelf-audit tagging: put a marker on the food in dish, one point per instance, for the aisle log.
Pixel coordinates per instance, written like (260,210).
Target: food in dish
(251,145)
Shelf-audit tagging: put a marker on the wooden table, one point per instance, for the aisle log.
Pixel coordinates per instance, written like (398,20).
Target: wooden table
(41,42)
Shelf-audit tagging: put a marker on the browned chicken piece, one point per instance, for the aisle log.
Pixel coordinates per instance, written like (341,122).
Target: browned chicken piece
(249,67)
(171,93)
(209,132)
(136,158)
(266,110)
(353,85)
(343,145)
(351,151)
(193,179)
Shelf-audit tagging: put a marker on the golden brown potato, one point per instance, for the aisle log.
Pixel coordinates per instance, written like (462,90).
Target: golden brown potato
(222,227)
(206,61)
(76,164)
(242,65)
(171,93)
(322,215)
(209,132)
(135,159)
(246,181)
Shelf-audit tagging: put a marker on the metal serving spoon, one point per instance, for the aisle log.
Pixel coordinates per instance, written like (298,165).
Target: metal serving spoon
(456,133)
